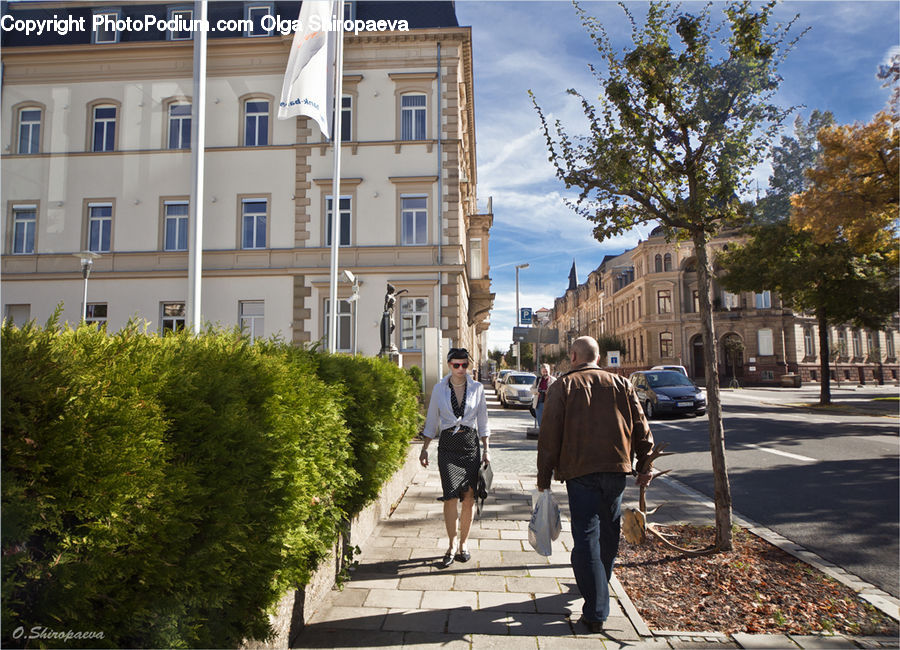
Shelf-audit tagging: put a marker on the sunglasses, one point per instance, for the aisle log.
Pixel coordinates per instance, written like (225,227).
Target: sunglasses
(460,365)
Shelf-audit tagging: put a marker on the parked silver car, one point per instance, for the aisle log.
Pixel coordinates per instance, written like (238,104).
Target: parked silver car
(515,389)
(499,379)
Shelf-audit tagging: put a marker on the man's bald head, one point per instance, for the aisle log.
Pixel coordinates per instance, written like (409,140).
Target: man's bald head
(585,350)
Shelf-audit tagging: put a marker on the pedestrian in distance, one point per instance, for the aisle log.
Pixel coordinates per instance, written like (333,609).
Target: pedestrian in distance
(593,434)
(458,412)
(539,390)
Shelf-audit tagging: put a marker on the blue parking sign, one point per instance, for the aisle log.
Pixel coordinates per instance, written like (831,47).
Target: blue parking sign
(525,316)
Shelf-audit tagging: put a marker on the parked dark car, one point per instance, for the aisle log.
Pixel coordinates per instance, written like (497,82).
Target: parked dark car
(668,391)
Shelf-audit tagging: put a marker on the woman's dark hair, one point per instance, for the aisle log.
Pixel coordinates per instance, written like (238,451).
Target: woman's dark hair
(457,353)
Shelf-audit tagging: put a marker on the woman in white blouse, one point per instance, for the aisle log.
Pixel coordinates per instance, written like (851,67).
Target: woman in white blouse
(458,412)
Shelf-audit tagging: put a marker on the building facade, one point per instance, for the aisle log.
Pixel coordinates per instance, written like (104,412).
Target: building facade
(648,298)
(96,157)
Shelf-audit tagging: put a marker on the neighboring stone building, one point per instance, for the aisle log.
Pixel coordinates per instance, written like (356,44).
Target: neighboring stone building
(647,296)
(96,156)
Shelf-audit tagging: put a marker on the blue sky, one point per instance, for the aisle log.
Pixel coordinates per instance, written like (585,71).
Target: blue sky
(541,46)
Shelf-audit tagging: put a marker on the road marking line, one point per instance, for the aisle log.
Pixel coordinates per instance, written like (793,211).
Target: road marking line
(780,453)
(666,424)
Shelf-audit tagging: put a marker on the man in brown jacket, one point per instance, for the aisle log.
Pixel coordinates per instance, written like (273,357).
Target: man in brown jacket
(592,432)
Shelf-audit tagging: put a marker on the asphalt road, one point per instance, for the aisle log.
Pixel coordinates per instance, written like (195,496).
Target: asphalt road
(828,482)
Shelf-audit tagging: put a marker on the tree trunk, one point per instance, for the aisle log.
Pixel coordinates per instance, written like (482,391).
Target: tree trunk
(824,353)
(724,539)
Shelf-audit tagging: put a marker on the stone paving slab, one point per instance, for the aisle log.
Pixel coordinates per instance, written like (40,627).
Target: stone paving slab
(818,641)
(777,641)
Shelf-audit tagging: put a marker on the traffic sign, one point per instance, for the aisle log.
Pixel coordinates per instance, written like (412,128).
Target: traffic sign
(536,335)
(525,316)
(612,358)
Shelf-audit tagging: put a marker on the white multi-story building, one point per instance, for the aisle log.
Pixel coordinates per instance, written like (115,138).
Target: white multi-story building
(96,157)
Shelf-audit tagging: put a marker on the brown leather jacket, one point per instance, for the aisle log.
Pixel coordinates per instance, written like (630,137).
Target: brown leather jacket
(592,422)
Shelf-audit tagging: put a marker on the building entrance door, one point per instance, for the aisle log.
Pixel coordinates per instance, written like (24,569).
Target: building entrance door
(698,370)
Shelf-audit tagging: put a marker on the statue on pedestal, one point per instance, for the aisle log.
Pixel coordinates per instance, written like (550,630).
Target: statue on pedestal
(387,321)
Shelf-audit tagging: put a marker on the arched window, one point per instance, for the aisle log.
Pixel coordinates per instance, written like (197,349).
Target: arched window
(658,263)
(667,262)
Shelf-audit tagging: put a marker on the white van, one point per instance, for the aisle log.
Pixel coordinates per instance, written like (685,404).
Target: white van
(680,369)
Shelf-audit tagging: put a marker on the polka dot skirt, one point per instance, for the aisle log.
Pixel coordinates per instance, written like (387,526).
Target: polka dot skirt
(459,455)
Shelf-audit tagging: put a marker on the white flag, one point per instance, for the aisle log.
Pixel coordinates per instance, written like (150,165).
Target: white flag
(309,80)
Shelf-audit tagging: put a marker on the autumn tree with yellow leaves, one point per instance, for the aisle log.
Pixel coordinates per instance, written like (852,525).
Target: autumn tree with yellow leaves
(854,189)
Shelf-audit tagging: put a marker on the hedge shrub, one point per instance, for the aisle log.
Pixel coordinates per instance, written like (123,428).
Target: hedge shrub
(383,415)
(166,491)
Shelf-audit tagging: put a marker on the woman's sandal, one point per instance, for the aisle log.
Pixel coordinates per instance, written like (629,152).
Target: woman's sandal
(463,556)
(448,559)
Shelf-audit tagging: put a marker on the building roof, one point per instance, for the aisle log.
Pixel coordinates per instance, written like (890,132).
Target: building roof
(419,15)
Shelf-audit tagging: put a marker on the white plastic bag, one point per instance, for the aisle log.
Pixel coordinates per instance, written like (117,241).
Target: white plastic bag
(545,523)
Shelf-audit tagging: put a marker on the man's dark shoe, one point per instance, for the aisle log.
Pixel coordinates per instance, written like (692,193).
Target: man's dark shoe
(595,627)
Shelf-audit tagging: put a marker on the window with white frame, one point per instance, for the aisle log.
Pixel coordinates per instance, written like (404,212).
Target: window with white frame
(180,18)
(889,344)
(667,262)
(252,318)
(413,321)
(344,338)
(172,316)
(730,300)
(349,10)
(475,267)
(96,313)
(842,342)
(17,314)
(764,342)
(99,233)
(104,128)
(763,300)
(256,123)
(346,118)
(870,343)
(105,31)
(29,130)
(666,345)
(414,219)
(23,229)
(253,223)
(180,126)
(343,225)
(664,301)
(412,116)
(857,344)
(808,343)
(695,301)
(254,14)
(658,263)
(176,226)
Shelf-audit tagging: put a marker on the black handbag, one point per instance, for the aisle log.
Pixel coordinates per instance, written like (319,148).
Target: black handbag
(485,479)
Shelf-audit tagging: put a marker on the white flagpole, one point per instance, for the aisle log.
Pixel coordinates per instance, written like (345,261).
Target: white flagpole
(336,180)
(198,146)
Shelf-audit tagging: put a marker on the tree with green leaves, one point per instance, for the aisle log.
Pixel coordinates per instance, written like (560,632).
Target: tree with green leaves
(832,279)
(684,115)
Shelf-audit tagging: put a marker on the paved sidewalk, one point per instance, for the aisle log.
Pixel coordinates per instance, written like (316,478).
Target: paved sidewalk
(507,595)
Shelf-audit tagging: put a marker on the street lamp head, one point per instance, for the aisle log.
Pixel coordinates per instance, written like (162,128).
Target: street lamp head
(522,266)
(348,276)
(87,258)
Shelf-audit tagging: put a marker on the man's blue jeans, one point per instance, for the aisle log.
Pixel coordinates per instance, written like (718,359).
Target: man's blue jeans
(595,504)
(539,412)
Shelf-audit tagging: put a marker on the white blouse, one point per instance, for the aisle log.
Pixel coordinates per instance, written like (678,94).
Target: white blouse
(440,410)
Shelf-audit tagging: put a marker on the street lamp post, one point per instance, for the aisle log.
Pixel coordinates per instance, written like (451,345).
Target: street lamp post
(519,266)
(87,262)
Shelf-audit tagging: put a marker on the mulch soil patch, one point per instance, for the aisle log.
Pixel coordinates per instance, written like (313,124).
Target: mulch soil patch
(756,588)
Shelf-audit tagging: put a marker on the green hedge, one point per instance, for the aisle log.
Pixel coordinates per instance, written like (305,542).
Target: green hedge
(167,491)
